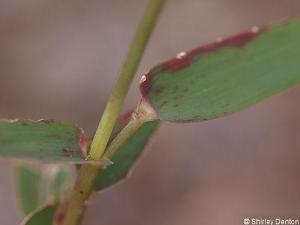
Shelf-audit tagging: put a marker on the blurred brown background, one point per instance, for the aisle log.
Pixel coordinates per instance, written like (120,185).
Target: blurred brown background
(59,59)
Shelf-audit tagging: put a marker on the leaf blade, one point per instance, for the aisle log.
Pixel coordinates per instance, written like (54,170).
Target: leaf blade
(126,157)
(27,188)
(224,77)
(43,216)
(43,140)
(37,185)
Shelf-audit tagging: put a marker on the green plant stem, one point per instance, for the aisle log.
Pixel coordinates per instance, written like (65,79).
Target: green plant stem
(142,114)
(120,139)
(80,194)
(88,173)
(128,70)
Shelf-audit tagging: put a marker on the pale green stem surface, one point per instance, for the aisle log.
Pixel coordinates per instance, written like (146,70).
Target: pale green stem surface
(80,194)
(88,173)
(113,107)
(120,139)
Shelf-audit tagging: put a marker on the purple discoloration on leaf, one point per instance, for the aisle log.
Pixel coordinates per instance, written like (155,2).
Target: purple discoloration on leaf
(60,213)
(84,143)
(123,120)
(184,59)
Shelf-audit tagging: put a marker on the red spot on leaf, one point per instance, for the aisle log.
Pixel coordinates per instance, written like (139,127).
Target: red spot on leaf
(60,214)
(59,217)
(159,89)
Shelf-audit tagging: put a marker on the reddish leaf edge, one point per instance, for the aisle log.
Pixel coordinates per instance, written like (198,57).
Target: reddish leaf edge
(83,140)
(184,59)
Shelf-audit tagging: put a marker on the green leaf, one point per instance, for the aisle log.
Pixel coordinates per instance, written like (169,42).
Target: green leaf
(27,188)
(36,186)
(226,76)
(42,140)
(125,158)
(62,181)
(43,216)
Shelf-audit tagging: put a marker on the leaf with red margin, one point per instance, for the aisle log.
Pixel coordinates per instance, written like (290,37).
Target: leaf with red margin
(44,140)
(226,76)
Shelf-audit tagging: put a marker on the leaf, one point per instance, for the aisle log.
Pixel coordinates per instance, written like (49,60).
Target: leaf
(226,76)
(38,186)
(43,216)
(42,140)
(125,158)
(62,181)
(27,188)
